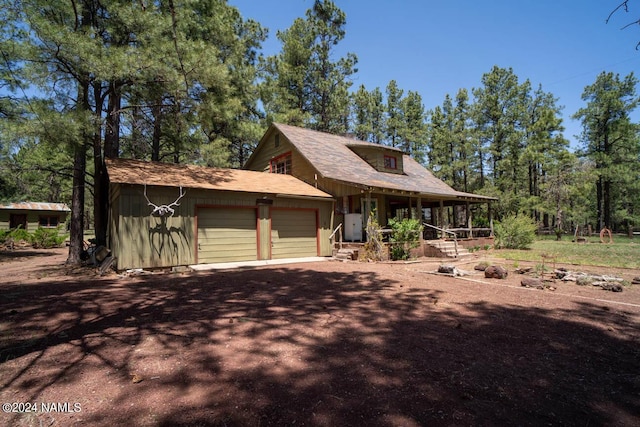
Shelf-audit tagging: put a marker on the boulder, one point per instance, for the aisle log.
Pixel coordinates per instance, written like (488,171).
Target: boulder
(495,272)
(530,282)
(608,286)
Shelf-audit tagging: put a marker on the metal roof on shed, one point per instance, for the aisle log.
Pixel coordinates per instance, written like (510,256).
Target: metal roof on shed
(36,206)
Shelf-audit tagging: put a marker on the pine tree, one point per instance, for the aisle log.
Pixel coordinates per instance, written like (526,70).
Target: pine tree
(611,142)
(302,85)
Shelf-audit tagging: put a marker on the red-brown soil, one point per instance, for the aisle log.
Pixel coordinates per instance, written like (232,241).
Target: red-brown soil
(320,344)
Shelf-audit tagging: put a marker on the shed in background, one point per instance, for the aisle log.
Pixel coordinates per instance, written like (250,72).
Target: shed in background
(31,215)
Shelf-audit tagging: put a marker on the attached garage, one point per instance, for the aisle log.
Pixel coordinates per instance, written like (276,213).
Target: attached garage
(164,215)
(293,233)
(226,235)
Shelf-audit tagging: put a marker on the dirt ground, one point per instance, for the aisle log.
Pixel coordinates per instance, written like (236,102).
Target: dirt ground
(321,344)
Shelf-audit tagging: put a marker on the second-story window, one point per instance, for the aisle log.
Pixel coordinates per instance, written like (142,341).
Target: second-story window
(281,164)
(390,162)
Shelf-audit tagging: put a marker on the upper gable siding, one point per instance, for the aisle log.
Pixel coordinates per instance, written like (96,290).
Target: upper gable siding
(262,158)
(261,161)
(375,157)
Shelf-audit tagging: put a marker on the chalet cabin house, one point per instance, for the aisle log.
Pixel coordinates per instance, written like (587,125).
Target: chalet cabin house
(163,215)
(363,177)
(31,215)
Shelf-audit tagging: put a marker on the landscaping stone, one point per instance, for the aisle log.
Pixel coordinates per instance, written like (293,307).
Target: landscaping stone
(495,272)
(530,282)
(446,269)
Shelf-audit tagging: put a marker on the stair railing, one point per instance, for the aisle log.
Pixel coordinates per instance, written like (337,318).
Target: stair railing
(339,236)
(455,238)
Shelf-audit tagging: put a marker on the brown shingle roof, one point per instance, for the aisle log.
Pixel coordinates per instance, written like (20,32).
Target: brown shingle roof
(126,171)
(333,159)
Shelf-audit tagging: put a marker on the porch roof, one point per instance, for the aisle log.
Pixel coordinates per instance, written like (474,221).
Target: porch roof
(331,156)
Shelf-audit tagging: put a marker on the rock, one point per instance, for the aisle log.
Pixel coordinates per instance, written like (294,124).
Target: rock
(635,281)
(529,282)
(495,272)
(447,269)
(607,286)
(583,280)
(480,267)
(561,274)
(524,270)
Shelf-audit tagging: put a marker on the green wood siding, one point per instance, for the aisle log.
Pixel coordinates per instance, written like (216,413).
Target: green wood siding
(227,234)
(141,241)
(293,233)
(33,219)
(300,167)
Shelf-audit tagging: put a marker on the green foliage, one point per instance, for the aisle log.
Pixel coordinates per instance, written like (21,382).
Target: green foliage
(44,238)
(16,235)
(515,232)
(405,236)
(303,86)
(47,238)
(610,141)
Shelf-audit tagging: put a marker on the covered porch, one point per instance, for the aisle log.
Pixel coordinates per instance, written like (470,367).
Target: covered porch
(462,215)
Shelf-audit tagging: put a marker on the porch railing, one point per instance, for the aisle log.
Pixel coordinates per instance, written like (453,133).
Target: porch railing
(455,238)
(331,237)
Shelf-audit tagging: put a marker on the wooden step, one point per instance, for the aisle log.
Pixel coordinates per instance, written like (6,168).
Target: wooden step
(446,249)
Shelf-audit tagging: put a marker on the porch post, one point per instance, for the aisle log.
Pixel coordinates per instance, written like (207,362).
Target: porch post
(367,208)
(490,217)
(419,209)
(469,220)
(441,218)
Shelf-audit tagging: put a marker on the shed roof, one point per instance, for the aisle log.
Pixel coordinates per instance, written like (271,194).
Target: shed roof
(36,206)
(331,156)
(126,171)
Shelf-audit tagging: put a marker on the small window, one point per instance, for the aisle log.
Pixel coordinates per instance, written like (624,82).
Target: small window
(281,164)
(48,221)
(390,162)
(277,140)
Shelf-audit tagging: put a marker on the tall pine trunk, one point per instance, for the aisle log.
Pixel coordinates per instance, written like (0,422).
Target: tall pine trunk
(76,239)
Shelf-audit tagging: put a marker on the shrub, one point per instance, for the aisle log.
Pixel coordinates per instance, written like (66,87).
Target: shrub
(47,238)
(405,236)
(515,232)
(20,235)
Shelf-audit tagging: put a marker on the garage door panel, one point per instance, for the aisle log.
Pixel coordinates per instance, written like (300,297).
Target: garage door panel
(293,234)
(227,235)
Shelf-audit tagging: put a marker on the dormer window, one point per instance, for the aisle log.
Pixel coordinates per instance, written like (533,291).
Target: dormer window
(390,162)
(281,164)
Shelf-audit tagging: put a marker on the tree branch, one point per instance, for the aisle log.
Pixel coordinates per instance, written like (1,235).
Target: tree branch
(621,5)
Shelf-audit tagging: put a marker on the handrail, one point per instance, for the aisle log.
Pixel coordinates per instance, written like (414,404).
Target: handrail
(455,237)
(334,233)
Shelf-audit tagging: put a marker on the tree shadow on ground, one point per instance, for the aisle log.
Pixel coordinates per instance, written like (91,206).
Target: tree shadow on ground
(284,346)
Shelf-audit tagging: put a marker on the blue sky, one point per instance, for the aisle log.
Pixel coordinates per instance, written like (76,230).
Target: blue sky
(437,47)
